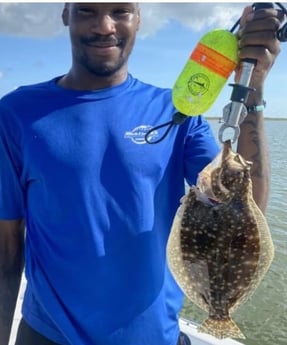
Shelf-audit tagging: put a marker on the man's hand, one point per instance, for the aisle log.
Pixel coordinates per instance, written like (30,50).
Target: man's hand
(258,40)
(11,265)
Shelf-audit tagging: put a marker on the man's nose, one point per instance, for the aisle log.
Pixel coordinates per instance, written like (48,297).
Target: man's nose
(104,25)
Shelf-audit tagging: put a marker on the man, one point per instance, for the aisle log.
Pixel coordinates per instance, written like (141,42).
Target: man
(97,202)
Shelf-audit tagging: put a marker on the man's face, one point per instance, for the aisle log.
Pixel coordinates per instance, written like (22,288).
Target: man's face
(102,35)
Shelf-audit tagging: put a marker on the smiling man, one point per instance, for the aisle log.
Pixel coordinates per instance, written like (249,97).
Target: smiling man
(102,39)
(97,205)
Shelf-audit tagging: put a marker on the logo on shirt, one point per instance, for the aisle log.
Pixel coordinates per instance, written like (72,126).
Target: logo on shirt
(137,135)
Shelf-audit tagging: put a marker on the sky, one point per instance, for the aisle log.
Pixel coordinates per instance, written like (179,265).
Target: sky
(34,46)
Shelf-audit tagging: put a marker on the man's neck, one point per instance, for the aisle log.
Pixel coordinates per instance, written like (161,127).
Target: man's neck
(76,81)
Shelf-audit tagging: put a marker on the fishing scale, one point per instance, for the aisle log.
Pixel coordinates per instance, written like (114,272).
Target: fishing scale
(204,75)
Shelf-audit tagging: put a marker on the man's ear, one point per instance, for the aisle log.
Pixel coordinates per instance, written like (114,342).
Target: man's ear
(138,19)
(65,15)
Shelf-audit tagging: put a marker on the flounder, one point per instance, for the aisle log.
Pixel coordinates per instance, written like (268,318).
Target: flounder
(220,245)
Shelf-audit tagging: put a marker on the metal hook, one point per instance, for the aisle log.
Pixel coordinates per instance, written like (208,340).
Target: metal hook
(235,112)
(236,133)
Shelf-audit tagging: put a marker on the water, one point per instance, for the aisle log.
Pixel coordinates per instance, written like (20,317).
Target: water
(263,319)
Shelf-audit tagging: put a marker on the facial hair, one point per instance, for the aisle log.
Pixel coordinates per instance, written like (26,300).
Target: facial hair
(100,67)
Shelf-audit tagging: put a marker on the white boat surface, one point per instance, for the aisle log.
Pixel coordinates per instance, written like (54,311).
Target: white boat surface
(187,326)
(197,338)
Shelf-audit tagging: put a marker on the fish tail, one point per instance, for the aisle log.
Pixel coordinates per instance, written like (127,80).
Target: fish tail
(221,329)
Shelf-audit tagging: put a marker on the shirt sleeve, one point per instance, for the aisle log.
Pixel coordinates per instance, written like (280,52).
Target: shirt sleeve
(11,189)
(200,148)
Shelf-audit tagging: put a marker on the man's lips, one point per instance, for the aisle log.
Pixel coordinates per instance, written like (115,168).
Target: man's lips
(101,42)
(101,45)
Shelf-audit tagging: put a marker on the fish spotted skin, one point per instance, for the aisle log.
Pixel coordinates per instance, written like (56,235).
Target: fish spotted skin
(220,246)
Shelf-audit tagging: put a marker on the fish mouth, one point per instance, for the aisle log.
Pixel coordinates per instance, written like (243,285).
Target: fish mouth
(227,147)
(206,198)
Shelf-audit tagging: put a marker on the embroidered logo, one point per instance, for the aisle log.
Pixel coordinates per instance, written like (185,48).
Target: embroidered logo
(137,135)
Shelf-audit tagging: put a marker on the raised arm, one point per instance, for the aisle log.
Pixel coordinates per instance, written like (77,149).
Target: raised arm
(257,40)
(11,266)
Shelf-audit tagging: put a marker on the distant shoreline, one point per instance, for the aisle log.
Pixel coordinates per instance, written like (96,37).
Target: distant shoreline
(214,118)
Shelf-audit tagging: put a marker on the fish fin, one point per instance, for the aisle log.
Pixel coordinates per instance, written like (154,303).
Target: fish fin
(221,329)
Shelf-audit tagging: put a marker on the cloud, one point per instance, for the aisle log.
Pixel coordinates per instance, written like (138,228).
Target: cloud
(44,19)
(196,16)
(1,75)
(31,19)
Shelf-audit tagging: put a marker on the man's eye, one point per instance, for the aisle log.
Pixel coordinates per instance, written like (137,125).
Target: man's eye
(121,12)
(85,11)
